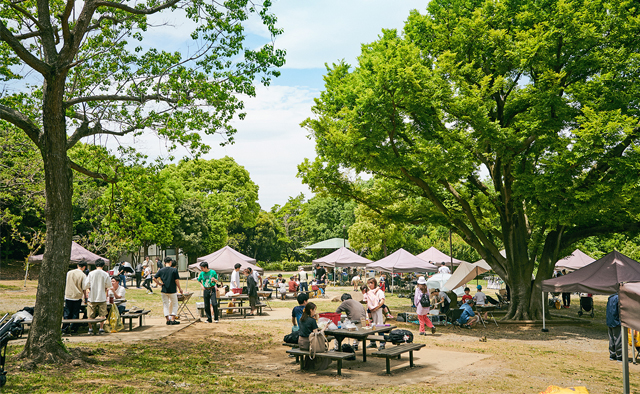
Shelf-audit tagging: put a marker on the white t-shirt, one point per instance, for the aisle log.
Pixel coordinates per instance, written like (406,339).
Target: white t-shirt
(355,279)
(303,276)
(444,270)
(480,298)
(256,276)
(120,292)
(235,280)
(98,281)
(283,288)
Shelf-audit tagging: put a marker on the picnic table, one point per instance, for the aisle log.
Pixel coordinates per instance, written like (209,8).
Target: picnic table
(360,334)
(239,299)
(133,315)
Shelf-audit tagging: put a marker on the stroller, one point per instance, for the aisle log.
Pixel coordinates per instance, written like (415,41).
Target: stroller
(586,303)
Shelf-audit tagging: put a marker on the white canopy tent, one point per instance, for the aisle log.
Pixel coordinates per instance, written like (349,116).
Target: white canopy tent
(439,281)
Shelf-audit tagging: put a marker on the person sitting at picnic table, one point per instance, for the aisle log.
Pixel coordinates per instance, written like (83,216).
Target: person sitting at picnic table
(308,323)
(468,317)
(118,292)
(297,311)
(265,284)
(252,290)
(480,299)
(423,311)
(282,289)
(466,297)
(375,300)
(354,310)
(293,286)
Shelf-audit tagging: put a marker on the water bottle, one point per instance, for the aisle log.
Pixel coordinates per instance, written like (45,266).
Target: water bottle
(339,325)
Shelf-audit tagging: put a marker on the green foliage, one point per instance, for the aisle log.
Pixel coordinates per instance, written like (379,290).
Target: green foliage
(542,97)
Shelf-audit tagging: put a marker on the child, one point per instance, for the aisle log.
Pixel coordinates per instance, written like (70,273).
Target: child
(296,313)
(282,289)
(375,300)
(466,295)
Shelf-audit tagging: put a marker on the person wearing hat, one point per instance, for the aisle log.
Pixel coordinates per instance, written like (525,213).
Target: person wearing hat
(146,273)
(480,299)
(423,311)
(304,279)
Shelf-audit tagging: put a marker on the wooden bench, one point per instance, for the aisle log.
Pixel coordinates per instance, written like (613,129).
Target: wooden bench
(338,356)
(376,338)
(396,351)
(133,315)
(243,309)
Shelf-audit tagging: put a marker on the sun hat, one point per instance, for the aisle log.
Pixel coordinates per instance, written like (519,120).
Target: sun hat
(422,280)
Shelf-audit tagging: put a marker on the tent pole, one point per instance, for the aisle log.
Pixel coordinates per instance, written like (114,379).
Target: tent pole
(544,322)
(391,283)
(633,346)
(625,360)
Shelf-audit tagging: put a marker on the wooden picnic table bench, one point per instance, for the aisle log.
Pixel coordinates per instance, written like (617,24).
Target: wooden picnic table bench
(396,351)
(133,315)
(338,356)
(243,309)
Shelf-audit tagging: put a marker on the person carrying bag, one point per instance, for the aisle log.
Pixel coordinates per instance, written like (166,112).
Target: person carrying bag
(311,338)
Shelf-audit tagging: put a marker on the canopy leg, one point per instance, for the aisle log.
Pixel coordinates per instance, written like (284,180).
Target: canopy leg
(625,360)
(544,322)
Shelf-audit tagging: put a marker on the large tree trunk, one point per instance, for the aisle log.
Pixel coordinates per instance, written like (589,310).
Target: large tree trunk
(44,342)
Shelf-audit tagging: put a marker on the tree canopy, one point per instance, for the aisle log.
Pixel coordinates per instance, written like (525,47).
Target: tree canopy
(512,123)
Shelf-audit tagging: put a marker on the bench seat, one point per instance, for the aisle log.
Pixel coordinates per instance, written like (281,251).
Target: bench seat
(133,315)
(396,351)
(338,356)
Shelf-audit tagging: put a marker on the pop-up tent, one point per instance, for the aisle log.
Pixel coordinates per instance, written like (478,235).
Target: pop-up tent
(332,243)
(574,261)
(603,276)
(629,301)
(222,261)
(434,256)
(439,281)
(78,254)
(342,257)
(402,261)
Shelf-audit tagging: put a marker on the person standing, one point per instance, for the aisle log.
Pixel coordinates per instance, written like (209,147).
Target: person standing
(304,278)
(444,269)
(375,300)
(73,295)
(566,296)
(423,311)
(321,276)
(98,283)
(235,280)
(614,328)
(252,291)
(138,272)
(208,280)
(147,278)
(256,276)
(169,279)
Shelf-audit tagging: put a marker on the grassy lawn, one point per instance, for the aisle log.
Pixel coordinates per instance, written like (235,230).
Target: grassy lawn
(246,356)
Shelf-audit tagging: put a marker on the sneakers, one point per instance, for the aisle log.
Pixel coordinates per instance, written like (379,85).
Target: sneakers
(174,322)
(149,292)
(433,330)
(389,316)
(90,331)
(208,321)
(371,345)
(381,347)
(422,333)
(101,331)
(216,321)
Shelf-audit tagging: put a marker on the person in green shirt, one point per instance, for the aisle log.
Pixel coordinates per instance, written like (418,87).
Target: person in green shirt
(208,280)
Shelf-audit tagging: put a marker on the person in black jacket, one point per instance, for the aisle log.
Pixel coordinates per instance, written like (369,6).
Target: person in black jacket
(252,290)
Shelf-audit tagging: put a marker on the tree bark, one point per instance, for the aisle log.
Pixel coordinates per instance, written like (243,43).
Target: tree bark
(44,343)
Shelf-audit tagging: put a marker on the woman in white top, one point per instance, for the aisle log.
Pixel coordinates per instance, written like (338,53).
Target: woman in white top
(375,300)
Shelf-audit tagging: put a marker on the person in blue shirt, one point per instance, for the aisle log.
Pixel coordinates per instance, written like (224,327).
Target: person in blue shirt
(296,313)
(614,328)
(468,318)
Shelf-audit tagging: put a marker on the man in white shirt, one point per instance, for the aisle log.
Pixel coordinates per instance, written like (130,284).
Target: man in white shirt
(73,295)
(235,280)
(304,278)
(444,269)
(118,293)
(98,283)
(256,277)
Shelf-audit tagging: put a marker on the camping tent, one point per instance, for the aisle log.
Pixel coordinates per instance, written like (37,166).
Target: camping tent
(439,281)
(434,256)
(402,261)
(466,272)
(223,261)
(78,254)
(333,243)
(342,257)
(574,261)
(603,276)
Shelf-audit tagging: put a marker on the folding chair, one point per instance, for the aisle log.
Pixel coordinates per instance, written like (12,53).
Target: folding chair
(183,308)
(453,315)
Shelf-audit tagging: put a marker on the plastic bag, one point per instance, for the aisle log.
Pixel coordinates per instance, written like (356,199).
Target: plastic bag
(568,390)
(114,322)
(332,326)
(323,322)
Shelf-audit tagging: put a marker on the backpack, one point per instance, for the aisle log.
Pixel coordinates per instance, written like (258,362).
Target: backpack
(424,300)
(317,343)
(292,338)
(346,348)
(399,336)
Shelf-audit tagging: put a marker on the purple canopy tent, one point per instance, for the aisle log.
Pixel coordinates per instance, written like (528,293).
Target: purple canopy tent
(603,276)
(223,260)
(434,256)
(401,261)
(78,254)
(342,257)
(214,255)
(574,261)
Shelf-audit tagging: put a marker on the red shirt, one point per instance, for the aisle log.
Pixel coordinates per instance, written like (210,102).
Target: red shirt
(465,298)
(293,286)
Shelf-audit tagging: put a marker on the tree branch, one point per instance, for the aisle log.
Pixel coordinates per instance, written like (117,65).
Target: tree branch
(21,121)
(135,11)
(28,35)
(64,20)
(85,131)
(89,173)
(25,13)
(115,97)
(22,52)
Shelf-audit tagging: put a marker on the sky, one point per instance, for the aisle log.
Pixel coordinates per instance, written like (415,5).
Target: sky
(270,142)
